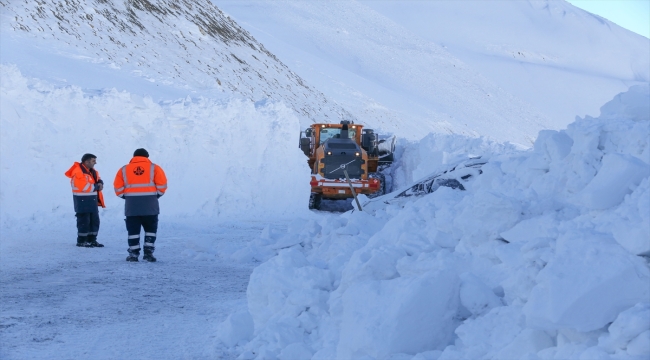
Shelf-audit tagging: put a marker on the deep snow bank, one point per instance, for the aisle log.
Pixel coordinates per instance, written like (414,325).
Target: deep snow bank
(223,159)
(538,259)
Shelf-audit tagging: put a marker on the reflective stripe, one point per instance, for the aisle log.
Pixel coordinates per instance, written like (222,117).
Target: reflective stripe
(147,244)
(149,234)
(161,186)
(85,194)
(160,193)
(153,167)
(139,185)
(126,182)
(82,234)
(141,194)
(134,236)
(86,188)
(119,189)
(134,247)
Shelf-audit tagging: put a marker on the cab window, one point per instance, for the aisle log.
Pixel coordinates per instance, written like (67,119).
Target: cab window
(328,133)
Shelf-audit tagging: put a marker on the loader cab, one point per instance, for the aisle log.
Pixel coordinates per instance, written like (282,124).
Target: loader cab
(341,153)
(317,134)
(327,133)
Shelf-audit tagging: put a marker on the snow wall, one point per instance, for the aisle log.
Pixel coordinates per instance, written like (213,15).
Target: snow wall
(545,256)
(223,159)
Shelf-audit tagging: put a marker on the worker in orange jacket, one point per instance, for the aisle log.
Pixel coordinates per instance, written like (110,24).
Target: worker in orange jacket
(140,183)
(87,196)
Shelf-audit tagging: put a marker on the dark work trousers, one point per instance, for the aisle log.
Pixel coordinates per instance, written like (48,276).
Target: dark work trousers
(150,225)
(87,224)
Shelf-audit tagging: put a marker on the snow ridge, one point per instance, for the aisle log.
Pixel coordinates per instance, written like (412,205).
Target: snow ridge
(210,149)
(544,256)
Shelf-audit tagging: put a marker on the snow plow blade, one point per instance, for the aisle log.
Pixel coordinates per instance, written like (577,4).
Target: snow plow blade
(386,150)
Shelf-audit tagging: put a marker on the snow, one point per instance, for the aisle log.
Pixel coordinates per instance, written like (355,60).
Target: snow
(413,67)
(76,303)
(164,51)
(236,329)
(615,179)
(588,282)
(388,77)
(550,53)
(542,254)
(519,265)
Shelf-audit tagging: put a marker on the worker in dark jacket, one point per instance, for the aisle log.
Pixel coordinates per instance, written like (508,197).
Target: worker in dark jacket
(140,183)
(87,195)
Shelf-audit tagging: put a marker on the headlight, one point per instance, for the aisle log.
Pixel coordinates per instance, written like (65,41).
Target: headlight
(329,153)
(357,154)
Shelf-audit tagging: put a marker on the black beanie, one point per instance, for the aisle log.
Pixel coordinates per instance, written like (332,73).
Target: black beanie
(88,156)
(141,152)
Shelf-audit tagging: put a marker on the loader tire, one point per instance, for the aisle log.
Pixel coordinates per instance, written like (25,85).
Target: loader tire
(314,201)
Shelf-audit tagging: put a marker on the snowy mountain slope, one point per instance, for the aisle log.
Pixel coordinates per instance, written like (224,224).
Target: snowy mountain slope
(562,59)
(544,255)
(395,62)
(177,47)
(390,78)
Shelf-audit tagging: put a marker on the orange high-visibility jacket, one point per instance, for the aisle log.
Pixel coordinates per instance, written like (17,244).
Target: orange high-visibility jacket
(140,177)
(83,184)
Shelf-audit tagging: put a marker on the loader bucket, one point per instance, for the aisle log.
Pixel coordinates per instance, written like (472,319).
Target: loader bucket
(386,149)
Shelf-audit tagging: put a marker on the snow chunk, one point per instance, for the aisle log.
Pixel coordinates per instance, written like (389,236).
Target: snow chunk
(640,346)
(403,315)
(629,224)
(553,144)
(271,292)
(588,282)
(475,296)
(526,344)
(295,351)
(632,104)
(537,227)
(628,325)
(616,178)
(236,329)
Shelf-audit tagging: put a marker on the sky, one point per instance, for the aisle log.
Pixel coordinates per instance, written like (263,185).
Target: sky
(633,15)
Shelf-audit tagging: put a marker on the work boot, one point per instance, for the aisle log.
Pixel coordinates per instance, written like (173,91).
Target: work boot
(148,254)
(133,255)
(92,240)
(82,241)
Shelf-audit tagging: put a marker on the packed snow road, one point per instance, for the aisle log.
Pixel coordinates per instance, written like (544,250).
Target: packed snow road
(66,302)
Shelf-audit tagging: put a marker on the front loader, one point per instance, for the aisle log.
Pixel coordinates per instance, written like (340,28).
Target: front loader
(334,149)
